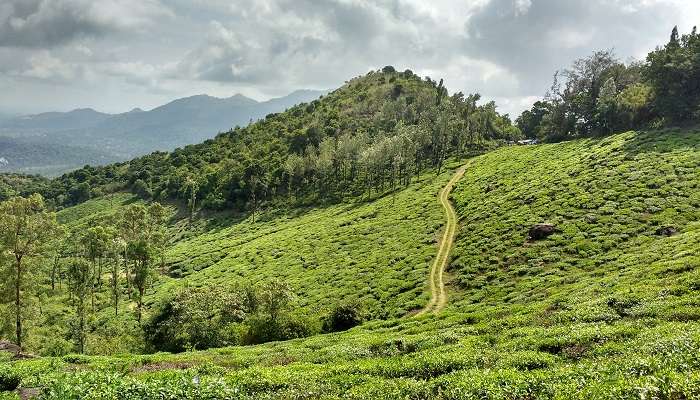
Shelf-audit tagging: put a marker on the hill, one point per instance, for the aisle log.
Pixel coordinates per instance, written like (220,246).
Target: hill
(605,307)
(85,136)
(375,131)
(229,198)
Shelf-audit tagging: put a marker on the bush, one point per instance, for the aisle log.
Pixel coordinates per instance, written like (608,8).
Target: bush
(197,318)
(343,317)
(8,381)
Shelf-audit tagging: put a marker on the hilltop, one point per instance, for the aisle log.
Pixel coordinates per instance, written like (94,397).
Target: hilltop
(385,125)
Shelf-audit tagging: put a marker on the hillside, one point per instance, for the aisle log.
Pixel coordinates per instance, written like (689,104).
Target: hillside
(255,206)
(55,142)
(606,307)
(373,132)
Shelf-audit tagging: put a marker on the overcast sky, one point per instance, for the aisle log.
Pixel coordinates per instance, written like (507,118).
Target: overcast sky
(113,55)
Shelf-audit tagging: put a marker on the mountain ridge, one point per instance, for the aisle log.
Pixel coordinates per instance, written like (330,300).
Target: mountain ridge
(119,137)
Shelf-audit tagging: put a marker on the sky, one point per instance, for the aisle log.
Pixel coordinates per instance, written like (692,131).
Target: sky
(115,55)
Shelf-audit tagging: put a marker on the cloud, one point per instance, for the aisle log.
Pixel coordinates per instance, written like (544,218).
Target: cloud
(534,41)
(149,49)
(45,66)
(304,42)
(47,23)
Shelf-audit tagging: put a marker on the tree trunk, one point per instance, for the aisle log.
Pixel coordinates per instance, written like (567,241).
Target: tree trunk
(140,304)
(81,334)
(18,302)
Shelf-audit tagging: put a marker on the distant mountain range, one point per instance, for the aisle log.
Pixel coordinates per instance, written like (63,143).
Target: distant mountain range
(55,142)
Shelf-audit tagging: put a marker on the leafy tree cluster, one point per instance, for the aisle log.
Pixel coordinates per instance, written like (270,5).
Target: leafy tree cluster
(12,185)
(206,317)
(600,94)
(121,255)
(372,134)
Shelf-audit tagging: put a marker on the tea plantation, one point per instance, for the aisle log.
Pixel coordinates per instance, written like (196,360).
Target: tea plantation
(377,253)
(606,307)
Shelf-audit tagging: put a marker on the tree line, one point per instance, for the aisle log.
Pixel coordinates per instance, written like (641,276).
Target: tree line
(107,268)
(600,94)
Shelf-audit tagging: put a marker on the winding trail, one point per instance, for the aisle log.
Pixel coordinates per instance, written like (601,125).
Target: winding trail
(438,298)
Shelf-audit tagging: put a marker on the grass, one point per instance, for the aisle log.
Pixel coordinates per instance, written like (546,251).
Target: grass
(605,308)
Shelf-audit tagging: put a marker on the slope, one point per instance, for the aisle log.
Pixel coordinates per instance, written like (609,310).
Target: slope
(377,252)
(606,308)
(438,297)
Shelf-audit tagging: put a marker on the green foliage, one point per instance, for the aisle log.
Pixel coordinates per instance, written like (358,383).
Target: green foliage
(601,95)
(25,229)
(604,308)
(343,317)
(197,318)
(327,150)
(673,72)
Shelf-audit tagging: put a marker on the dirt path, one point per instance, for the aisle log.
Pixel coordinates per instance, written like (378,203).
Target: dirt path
(438,298)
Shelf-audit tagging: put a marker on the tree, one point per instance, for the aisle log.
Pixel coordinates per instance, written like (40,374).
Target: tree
(25,229)
(80,193)
(144,233)
(274,297)
(81,281)
(530,121)
(343,317)
(141,252)
(142,189)
(606,107)
(197,318)
(634,105)
(673,72)
(117,249)
(192,187)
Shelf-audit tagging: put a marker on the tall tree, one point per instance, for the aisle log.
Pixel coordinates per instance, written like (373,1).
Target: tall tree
(81,282)
(25,229)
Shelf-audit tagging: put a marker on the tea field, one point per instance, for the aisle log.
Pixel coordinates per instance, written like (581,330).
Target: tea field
(607,307)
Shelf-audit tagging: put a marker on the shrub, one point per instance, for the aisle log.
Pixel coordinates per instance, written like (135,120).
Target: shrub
(8,380)
(343,317)
(196,318)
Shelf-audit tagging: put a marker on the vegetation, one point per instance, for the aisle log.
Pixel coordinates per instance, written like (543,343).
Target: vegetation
(25,228)
(569,316)
(325,219)
(374,133)
(599,94)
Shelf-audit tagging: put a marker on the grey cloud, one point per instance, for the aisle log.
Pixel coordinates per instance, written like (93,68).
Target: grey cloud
(309,41)
(505,49)
(533,41)
(47,23)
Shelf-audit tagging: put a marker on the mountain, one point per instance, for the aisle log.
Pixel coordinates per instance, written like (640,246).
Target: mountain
(35,155)
(386,124)
(86,136)
(407,256)
(49,122)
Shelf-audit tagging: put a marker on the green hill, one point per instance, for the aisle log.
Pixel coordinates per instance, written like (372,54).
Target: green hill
(605,307)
